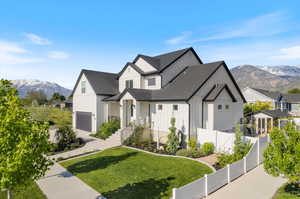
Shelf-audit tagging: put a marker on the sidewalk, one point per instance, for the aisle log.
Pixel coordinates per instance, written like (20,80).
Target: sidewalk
(255,184)
(58,183)
(61,184)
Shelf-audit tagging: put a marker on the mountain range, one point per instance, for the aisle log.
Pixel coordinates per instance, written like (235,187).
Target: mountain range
(275,78)
(24,86)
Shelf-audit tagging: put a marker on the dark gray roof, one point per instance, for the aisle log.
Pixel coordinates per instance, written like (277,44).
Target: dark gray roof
(215,92)
(271,94)
(275,113)
(101,82)
(183,87)
(161,62)
(291,98)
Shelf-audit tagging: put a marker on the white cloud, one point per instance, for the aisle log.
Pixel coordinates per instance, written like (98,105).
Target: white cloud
(260,26)
(289,53)
(12,53)
(58,55)
(37,39)
(179,39)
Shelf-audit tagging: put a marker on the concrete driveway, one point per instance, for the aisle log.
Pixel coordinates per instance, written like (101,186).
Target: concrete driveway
(255,184)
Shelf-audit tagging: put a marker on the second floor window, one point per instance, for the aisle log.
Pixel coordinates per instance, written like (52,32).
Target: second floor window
(129,83)
(151,82)
(83,87)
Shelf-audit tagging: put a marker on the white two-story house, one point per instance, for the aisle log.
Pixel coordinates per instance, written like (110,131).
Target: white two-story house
(153,89)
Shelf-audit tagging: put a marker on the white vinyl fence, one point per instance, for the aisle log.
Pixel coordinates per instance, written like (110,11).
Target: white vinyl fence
(223,141)
(209,183)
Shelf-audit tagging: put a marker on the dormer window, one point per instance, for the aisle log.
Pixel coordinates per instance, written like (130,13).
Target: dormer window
(151,82)
(129,83)
(83,87)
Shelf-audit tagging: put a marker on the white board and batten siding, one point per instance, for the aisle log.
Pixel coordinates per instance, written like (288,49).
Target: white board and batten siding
(220,121)
(88,102)
(130,74)
(161,119)
(144,66)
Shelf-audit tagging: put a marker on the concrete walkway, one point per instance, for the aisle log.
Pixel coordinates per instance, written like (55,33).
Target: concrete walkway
(58,183)
(255,184)
(61,184)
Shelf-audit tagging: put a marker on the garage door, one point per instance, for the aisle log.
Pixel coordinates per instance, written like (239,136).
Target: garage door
(84,121)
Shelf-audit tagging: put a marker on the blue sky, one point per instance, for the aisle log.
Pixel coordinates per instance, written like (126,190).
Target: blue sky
(54,40)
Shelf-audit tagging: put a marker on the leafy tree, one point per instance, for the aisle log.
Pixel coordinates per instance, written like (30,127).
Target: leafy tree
(173,140)
(24,142)
(38,96)
(257,106)
(282,156)
(294,91)
(56,97)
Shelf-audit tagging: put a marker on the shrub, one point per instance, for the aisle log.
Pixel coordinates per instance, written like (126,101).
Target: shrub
(65,136)
(192,144)
(184,152)
(239,151)
(189,153)
(108,128)
(197,153)
(173,140)
(208,148)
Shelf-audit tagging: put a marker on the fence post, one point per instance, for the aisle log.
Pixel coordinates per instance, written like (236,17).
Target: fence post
(206,187)
(174,193)
(245,166)
(258,152)
(228,173)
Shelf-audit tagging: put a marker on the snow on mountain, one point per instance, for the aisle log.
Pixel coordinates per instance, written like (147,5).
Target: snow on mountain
(27,85)
(293,71)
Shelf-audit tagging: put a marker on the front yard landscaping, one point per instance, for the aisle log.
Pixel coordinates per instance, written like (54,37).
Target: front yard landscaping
(288,191)
(126,173)
(29,191)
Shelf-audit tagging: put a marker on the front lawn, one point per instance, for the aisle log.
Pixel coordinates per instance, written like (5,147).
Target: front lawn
(288,191)
(126,173)
(30,191)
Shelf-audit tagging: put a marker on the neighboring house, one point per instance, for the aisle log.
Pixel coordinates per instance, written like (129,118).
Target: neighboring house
(153,89)
(288,102)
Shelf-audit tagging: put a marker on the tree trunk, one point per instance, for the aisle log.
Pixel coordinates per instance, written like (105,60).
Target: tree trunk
(9,196)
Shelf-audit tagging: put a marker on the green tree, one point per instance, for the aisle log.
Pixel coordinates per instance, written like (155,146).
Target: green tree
(38,96)
(257,106)
(294,91)
(56,97)
(282,156)
(24,142)
(173,140)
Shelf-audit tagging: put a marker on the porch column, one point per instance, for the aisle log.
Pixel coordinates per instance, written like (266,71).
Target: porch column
(138,112)
(122,113)
(266,125)
(256,125)
(271,127)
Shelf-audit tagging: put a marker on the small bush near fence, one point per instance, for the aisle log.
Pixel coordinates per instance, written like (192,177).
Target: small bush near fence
(239,151)
(206,149)
(107,129)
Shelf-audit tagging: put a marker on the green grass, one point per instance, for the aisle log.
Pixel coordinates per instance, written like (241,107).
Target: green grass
(126,173)
(288,191)
(30,191)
